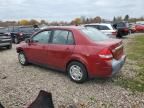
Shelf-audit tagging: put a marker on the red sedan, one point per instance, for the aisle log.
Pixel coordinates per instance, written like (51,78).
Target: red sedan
(81,52)
(139,28)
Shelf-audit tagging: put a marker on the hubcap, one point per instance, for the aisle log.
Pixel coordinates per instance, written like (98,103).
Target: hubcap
(22,58)
(76,72)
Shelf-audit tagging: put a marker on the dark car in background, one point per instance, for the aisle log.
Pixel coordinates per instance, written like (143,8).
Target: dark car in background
(122,29)
(5,38)
(20,33)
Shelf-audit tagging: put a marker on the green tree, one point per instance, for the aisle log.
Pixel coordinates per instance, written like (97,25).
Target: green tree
(119,18)
(114,19)
(33,22)
(126,18)
(77,21)
(83,19)
(23,22)
(43,22)
(97,19)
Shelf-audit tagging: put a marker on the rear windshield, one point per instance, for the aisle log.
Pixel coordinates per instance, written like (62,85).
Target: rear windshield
(94,34)
(3,30)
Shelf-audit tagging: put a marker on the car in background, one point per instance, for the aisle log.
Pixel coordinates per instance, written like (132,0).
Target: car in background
(132,28)
(5,38)
(107,29)
(139,28)
(20,33)
(122,29)
(140,22)
(82,52)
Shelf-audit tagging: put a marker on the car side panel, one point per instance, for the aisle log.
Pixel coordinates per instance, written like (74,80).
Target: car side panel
(37,53)
(58,55)
(88,55)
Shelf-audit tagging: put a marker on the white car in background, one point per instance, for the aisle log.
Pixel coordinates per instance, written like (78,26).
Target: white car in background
(104,28)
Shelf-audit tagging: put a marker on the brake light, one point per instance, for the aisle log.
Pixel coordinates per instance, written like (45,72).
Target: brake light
(126,30)
(20,34)
(106,54)
(114,33)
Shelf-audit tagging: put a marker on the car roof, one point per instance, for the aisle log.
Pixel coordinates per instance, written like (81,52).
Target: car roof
(102,24)
(64,27)
(98,24)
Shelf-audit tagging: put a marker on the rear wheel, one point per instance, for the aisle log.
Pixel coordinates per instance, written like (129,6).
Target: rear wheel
(119,35)
(77,72)
(22,58)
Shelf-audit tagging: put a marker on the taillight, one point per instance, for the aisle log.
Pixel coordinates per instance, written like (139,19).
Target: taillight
(126,30)
(114,33)
(106,54)
(20,34)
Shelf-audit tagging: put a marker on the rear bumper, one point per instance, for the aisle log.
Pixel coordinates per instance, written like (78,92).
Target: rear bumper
(106,69)
(118,64)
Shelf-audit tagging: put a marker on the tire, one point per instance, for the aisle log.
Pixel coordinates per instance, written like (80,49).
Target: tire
(9,46)
(22,58)
(119,35)
(77,68)
(16,41)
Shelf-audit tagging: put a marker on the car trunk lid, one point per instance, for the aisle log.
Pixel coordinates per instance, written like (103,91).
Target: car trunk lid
(116,47)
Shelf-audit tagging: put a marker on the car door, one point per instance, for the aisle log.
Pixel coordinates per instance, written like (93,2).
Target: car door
(37,50)
(61,48)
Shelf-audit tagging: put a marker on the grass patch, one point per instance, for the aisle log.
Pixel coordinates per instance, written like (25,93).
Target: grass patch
(135,52)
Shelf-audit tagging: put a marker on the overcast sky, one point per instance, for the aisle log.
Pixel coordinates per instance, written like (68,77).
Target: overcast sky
(66,10)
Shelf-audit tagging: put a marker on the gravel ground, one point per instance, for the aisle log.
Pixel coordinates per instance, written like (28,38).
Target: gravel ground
(19,86)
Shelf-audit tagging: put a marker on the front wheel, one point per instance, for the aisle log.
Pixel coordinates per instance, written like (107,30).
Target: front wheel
(77,72)
(22,58)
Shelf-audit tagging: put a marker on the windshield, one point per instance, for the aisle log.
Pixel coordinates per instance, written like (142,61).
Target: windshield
(94,34)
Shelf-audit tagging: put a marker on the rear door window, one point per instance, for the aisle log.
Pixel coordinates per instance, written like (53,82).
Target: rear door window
(62,37)
(103,27)
(70,40)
